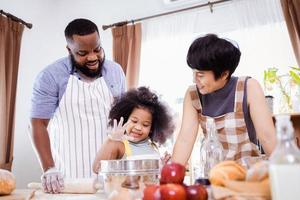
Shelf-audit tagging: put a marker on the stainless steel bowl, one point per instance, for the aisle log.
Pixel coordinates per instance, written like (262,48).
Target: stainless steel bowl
(129,177)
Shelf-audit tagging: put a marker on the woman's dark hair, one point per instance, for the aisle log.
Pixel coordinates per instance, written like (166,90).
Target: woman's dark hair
(80,27)
(213,53)
(162,123)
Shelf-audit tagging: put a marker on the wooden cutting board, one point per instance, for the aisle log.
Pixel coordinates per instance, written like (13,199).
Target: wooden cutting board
(18,195)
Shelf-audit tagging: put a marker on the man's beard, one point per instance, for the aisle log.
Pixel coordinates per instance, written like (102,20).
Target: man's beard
(85,70)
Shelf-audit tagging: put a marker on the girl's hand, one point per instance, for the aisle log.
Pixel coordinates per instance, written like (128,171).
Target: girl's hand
(118,132)
(166,158)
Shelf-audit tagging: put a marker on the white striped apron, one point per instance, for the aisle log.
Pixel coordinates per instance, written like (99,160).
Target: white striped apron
(79,126)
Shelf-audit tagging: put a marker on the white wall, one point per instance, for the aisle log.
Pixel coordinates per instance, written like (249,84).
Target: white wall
(45,43)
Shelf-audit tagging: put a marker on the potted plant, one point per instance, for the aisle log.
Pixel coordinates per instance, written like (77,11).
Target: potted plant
(288,85)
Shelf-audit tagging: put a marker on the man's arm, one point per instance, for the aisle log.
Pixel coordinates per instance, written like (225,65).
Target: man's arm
(45,99)
(41,142)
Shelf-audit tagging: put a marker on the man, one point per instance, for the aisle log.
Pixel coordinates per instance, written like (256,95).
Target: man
(70,105)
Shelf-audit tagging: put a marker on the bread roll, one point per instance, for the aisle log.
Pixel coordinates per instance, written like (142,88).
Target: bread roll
(7,182)
(255,188)
(231,163)
(226,170)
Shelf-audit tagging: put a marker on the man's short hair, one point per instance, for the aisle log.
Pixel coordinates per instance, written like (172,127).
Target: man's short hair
(80,27)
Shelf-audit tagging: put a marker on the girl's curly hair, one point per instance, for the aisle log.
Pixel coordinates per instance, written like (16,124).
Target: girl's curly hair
(162,123)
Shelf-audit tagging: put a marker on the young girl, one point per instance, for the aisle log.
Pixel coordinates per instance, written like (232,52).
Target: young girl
(147,122)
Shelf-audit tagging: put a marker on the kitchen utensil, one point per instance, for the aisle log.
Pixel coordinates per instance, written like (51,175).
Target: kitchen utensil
(129,176)
(74,186)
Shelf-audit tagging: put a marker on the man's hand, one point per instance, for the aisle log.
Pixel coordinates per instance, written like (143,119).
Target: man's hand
(52,181)
(118,132)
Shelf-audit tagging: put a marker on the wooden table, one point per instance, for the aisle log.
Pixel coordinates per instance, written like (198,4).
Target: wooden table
(27,194)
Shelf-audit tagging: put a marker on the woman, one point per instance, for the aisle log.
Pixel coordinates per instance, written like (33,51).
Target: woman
(236,103)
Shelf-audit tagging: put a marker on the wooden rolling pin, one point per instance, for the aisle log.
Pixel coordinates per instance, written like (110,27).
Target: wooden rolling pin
(74,186)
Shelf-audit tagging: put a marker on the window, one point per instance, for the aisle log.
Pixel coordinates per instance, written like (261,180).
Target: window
(257,26)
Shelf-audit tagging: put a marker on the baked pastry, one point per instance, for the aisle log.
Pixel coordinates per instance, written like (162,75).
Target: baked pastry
(258,172)
(246,188)
(7,182)
(226,170)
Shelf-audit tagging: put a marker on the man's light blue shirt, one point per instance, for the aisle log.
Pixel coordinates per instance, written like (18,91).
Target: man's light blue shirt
(51,83)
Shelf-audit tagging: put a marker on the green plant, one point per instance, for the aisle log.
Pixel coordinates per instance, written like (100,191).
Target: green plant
(295,74)
(271,78)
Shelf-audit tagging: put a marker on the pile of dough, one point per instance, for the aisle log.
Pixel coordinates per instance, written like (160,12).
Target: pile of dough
(226,170)
(7,182)
(258,172)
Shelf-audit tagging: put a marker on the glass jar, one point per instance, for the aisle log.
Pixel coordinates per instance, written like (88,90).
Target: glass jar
(211,150)
(285,162)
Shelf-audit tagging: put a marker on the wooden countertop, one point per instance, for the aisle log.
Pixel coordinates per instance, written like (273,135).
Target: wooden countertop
(27,194)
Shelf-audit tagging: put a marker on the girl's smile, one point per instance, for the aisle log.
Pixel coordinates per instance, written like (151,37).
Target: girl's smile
(140,121)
